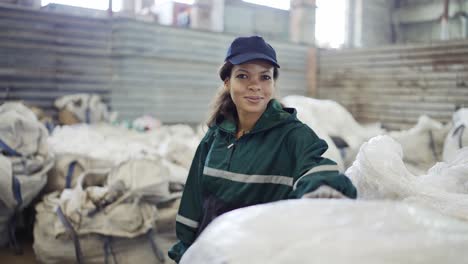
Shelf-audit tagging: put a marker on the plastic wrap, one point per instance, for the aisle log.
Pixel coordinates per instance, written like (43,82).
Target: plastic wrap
(422,145)
(331,231)
(379,173)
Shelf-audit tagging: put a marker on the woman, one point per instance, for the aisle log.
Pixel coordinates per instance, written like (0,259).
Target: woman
(255,151)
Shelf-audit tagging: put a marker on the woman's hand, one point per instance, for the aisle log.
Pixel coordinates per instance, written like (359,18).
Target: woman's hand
(325,192)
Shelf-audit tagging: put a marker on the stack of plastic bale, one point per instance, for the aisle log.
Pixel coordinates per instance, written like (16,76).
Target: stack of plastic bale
(82,108)
(116,219)
(82,148)
(24,162)
(176,144)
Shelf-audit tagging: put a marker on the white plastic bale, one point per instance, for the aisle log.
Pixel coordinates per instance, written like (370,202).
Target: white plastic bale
(450,176)
(125,209)
(147,177)
(177,173)
(457,137)
(6,181)
(7,198)
(328,118)
(115,145)
(32,183)
(52,247)
(179,151)
(331,231)
(145,123)
(422,145)
(332,152)
(334,119)
(176,143)
(21,130)
(86,107)
(379,173)
(25,164)
(56,178)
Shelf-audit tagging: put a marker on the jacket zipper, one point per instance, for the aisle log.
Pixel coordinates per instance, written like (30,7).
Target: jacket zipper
(232,146)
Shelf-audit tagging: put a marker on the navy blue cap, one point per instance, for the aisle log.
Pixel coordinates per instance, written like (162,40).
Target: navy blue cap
(244,49)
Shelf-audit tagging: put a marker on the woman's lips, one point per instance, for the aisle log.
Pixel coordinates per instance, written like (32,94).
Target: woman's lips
(253,99)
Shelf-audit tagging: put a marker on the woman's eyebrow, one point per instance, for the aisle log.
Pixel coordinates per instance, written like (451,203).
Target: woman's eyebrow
(265,71)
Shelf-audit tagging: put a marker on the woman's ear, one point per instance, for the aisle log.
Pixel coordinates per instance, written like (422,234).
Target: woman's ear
(226,84)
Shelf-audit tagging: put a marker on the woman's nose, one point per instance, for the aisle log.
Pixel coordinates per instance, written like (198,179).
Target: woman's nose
(254,85)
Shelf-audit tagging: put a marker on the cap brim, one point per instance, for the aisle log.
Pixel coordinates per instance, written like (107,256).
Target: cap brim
(246,57)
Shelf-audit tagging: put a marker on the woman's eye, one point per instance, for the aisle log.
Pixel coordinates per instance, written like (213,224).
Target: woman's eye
(241,76)
(266,77)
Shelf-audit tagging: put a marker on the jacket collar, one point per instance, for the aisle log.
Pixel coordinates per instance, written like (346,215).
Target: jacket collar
(274,115)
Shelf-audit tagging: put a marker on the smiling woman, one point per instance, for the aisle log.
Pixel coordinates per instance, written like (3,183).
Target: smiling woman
(93,4)
(256,151)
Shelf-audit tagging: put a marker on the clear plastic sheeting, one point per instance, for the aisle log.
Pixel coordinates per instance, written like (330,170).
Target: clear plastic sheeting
(331,231)
(379,173)
(450,176)
(422,145)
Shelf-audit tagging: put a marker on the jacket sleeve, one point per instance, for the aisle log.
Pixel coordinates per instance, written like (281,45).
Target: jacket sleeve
(190,210)
(311,170)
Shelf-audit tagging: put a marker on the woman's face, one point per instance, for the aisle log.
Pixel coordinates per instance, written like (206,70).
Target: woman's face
(251,86)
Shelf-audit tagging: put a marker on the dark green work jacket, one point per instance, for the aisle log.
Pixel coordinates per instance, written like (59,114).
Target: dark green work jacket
(281,158)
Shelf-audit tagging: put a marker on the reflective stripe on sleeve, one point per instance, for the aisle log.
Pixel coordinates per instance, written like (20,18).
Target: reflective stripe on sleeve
(319,168)
(186,221)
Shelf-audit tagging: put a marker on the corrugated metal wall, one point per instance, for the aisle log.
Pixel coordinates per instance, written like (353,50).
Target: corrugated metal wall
(269,22)
(142,68)
(397,84)
(172,72)
(43,56)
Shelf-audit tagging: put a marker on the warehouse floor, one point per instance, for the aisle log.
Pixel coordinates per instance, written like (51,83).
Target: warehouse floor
(8,256)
